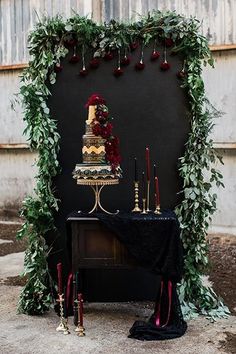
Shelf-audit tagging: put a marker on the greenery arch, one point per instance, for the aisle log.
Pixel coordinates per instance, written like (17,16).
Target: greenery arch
(47,45)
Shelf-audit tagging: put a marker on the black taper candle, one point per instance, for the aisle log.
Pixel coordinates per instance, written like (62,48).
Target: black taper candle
(75,295)
(143,186)
(135,170)
(155,170)
(77,284)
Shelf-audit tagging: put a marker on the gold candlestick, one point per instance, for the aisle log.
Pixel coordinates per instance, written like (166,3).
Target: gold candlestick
(148,196)
(158,209)
(63,327)
(136,198)
(144,205)
(80,328)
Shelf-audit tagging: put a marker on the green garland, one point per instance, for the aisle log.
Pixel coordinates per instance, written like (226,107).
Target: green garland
(46,46)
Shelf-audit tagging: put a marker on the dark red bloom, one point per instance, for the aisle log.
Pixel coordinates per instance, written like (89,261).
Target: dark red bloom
(106,131)
(139,66)
(108,56)
(97,129)
(133,46)
(94,63)
(181,74)
(155,55)
(95,100)
(125,61)
(165,66)
(58,68)
(118,72)
(74,59)
(169,42)
(83,72)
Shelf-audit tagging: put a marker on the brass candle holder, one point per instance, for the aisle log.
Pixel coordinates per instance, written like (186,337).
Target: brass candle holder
(62,327)
(80,328)
(148,197)
(136,198)
(144,206)
(158,209)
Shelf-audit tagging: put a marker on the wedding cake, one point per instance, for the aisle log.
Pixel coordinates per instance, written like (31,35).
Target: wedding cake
(100,151)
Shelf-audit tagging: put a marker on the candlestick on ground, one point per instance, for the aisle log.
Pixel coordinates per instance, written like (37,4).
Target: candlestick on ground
(63,323)
(136,198)
(80,328)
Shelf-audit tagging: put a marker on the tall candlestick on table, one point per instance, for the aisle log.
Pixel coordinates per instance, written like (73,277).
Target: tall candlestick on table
(136,188)
(148,177)
(157,196)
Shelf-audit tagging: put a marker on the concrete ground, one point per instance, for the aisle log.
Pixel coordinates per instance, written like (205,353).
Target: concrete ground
(107,325)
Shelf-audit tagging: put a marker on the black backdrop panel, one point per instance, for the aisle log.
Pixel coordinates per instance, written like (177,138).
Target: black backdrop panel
(149,109)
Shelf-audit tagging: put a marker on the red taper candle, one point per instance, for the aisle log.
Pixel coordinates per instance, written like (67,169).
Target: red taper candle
(59,276)
(148,163)
(80,299)
(157,194)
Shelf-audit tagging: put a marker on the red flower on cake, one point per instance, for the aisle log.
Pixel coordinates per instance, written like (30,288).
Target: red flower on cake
(95,100)
(106,131)
(97,129)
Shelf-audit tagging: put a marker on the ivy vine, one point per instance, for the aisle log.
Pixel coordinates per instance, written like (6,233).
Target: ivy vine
(47,45)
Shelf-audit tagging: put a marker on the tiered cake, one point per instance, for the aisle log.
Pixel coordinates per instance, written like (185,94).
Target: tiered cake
(94,166)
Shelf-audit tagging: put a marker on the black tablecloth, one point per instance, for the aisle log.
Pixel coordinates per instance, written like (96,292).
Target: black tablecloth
(154,240)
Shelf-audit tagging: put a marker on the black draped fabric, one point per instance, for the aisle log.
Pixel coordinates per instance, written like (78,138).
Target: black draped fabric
(154,241)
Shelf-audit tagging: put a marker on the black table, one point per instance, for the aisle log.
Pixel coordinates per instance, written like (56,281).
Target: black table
(151,241)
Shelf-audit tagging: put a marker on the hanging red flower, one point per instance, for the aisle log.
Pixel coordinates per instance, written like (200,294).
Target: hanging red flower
(181,74)
(165,66)
(125,61)
(139,66)
(155,55)
(108,56)
(169,42)
(58,68)
(118,72)
(83,72)
(74,59)
(133,46)
(94,63)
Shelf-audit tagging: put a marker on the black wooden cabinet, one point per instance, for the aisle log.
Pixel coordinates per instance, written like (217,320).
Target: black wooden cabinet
(107,271)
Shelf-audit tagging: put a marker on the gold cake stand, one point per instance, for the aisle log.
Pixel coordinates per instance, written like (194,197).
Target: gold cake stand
(97,186)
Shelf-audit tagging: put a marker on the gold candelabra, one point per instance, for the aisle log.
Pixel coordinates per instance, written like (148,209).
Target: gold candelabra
(62,327)
(136,198)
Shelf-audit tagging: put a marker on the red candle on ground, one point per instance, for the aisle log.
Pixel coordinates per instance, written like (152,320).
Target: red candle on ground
(80,298)
(157,194)
(148,163)
(59,276)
